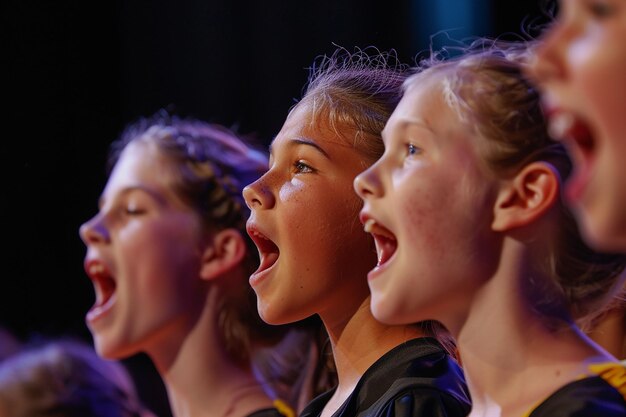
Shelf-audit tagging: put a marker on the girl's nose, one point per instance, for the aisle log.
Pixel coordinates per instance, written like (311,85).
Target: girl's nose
(94,231)
(258,195)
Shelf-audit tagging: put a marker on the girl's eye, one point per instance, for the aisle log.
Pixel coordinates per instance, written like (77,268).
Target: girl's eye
(133,210)
(601,9)
(412,149)
(303,168)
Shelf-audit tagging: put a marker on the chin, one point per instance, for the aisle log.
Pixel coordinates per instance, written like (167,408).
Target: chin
(606,242)
(600,233)
(276,315)
(110,349)
(104,350)
(265,316)
(381,312)
(268,315)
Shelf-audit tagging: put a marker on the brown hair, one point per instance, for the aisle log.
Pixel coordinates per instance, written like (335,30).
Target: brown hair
(356,93)
(212,165)
(66,378)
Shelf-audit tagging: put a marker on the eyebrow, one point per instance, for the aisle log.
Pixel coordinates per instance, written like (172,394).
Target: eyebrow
(127,190)
(303,141)
(411,121)
(405,123)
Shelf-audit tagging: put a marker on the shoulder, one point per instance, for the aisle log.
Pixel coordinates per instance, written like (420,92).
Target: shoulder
(316,406)
(429,383)
(592,396)
(268,412)
(415,379)
(424,401)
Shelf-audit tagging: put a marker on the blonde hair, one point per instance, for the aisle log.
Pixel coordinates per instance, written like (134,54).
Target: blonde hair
(488,91)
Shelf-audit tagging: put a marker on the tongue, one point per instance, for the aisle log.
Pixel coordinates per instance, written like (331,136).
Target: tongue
(386,248)
(581,134)
(106,288)
(583,155)
(268,260)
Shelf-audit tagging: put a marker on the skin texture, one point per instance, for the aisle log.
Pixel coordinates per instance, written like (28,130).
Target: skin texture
(580,65)
(152,246)
(171,277)
(320,255)
(428,190)
(465,240)
(306,206)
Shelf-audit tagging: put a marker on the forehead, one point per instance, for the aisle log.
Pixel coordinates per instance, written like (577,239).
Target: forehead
(139,163)
(140,155)
(423,101)
(430,103)
(304,121)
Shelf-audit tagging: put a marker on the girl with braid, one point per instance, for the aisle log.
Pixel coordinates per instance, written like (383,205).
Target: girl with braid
(169,259)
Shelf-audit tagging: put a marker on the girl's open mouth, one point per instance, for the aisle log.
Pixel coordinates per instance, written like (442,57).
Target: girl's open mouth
(268,251)
(577,136)
(104,287)
(386,243)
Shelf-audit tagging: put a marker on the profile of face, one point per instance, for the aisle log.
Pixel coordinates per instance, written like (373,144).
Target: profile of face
(427,204)
(304,221)
(579,65)
(144,250)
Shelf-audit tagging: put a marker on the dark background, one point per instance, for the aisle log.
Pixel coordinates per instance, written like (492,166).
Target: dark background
(76,72)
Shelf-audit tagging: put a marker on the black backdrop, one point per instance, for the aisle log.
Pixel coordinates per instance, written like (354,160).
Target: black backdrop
(77,71)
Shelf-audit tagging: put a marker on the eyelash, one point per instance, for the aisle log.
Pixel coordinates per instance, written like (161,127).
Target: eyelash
(412,149)
(302,168)
(132,211)
(601,9)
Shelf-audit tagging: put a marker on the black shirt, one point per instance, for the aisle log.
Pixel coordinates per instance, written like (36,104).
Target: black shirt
(280,409)
(588,397)
(268,412)
(416,378)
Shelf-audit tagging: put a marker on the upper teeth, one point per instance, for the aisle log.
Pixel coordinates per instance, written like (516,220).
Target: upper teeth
(369,225)
(560,124)
(95,269)
(257,234)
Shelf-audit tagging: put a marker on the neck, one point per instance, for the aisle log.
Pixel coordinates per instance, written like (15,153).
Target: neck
(357,343)
(233,400)
(610,331)
(200,376)
(512,358)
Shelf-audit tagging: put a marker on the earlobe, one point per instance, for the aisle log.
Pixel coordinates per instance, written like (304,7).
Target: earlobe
(224,253)
(527,197)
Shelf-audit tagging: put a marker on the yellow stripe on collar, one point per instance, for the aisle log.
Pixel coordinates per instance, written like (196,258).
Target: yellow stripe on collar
(284,409)
(612,372)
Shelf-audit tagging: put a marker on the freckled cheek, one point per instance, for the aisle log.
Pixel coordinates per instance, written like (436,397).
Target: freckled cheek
(580,54)
(426,220)
(598,74)
(291,192)
(297,216)
(330,231)
(153,245)
(132,242)
(604,95)
(294,208)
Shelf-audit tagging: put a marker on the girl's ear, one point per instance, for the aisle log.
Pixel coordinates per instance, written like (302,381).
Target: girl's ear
(224,253)
(527,197)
